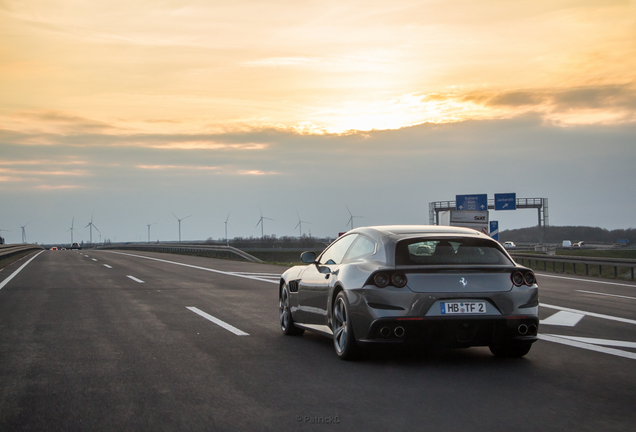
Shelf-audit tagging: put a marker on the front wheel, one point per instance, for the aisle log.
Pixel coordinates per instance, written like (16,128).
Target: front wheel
(511,350)
(286,321)
(343,339)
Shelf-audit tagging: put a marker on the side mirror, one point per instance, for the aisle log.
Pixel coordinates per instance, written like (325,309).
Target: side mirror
(308,257)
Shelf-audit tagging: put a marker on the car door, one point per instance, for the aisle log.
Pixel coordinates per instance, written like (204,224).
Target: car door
(318,280)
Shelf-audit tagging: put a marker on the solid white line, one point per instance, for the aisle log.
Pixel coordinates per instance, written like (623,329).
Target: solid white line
(594,341)
(217,321)
(585,280)
(605,294)
(6,281)
(607,317)
(106,265)
(612,351)
(135,279)
(195,267)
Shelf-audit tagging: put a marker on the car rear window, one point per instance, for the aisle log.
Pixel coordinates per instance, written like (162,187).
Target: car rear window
(448,251)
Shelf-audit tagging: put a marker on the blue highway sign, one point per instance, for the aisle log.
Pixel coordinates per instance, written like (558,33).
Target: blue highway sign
(472,202)
(494,230)
(506,201)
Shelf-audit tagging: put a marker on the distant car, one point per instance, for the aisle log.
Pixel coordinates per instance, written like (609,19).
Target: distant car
(432,285)
(63,249)
(54,248)
(75,246)
(566,244)
(509,245)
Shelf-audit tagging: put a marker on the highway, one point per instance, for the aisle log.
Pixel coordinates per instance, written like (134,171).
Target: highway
(140,341)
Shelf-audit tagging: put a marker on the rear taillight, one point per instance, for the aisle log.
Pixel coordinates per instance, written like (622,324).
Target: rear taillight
(381,280)
(398,280)
(529,278)
(523,278)
(385,278)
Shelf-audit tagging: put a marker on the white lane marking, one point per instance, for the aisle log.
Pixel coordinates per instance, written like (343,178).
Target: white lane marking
(564,341)
(563,318)
(605,294)
(585,280)
(257,274)
(107,266)
(217,321)
(15,273)
(594,341)
(196,267)
(592,314)
(135,279)
(94,260)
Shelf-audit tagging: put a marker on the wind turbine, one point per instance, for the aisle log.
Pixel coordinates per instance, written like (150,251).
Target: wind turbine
(351,217)
(260,221)
(299,225)
(180,224)
(226,219)
(71,229)
(24,232)
(92,225)
(149,225)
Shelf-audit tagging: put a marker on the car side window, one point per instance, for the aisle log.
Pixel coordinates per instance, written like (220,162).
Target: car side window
(337,250)
(363,246)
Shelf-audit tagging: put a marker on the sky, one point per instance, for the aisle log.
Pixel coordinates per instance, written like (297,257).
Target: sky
(134,112)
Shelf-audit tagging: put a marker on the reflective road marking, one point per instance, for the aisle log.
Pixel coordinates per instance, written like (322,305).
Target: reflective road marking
(218,322)
(566,341)
(563,318)
(594,341)
(6,281)
(197,267)
(605,294)
(585,280)
(135,279)
(107,266)
(592,314)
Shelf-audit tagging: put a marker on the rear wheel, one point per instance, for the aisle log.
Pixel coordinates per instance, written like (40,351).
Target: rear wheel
(343,339)
(512,350)
(286,321)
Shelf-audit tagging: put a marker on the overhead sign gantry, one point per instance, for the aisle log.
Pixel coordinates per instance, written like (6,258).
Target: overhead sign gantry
(506,201)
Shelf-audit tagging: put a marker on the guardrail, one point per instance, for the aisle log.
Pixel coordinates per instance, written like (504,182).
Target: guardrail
(12,249)
(226,252)
(588,262)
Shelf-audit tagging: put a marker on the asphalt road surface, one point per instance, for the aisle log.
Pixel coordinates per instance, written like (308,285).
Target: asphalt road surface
(113,341)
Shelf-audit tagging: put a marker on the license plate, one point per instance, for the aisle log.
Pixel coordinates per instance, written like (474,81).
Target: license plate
(463,307)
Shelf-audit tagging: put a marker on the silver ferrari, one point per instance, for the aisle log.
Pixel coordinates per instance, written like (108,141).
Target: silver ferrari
(434,285)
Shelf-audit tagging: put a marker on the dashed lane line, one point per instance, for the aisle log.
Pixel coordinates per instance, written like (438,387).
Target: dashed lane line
(135,279)
(197,267)
(107,266)
(217,321)
(15,273)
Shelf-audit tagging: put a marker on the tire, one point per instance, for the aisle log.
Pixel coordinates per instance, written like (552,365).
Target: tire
(344,340)
(511,350)
(286,321)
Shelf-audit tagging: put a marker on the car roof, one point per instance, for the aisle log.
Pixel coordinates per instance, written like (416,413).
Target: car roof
(403,231)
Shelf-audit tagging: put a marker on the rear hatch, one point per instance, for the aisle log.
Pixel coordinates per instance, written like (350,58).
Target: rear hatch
(454,264)
(458,281)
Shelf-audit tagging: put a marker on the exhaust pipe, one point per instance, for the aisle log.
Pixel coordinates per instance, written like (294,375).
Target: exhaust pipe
(385,331)
(532,329)
(399,331)
(523,329)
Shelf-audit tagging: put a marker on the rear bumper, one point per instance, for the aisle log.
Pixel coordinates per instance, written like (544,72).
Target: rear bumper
(459,332)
